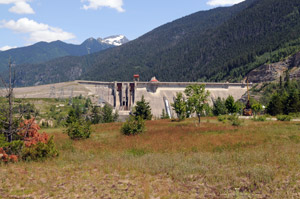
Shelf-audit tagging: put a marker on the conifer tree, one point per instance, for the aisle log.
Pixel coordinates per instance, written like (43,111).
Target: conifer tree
(179,106)
(219,107)
(292,104)
(231,105)
(287,80)
(95,115)
(108,115)
(275,106)
(142,109)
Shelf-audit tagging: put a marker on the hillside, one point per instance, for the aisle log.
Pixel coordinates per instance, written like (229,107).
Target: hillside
(221,44)
(43,51)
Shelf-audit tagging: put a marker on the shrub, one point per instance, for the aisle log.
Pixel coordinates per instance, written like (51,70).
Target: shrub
(257,108)
(235,121)
(294,115)
(222,118)
(79,129)
(37,145)
(284,118)
(40,151)
(133,126)
(31,145)
(13,148)
(4,157)
(136,152)
(29,133)
(260,118)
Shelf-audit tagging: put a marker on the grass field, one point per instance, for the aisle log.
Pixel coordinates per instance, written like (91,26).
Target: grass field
(170,160)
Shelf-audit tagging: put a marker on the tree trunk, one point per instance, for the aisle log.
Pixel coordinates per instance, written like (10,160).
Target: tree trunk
(10,93)
(199,119)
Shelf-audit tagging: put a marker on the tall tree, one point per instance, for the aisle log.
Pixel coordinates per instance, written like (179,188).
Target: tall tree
(197,97)
(9,126)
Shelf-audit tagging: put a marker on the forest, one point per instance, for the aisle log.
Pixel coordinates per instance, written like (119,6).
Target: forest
(221,44)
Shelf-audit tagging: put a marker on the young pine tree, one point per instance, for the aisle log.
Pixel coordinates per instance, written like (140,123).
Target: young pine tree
(231,105)
(219,107)
(142,109)
(275,106)
(107,114)
(292,104)
(179,106)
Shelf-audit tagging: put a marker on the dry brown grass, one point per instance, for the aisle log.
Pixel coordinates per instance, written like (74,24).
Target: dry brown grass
(166,136)
(169,160)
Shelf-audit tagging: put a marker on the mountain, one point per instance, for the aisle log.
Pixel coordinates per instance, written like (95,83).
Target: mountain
(116,40)
(221,44)
(43,51)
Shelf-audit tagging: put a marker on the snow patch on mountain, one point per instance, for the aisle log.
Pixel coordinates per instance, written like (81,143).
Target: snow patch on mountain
(116,40)
(5,48)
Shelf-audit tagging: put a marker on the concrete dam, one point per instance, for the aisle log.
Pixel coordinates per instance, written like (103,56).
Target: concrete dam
(122,96)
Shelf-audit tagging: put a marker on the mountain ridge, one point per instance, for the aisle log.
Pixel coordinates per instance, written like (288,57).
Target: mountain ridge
(221,44)
(46,51)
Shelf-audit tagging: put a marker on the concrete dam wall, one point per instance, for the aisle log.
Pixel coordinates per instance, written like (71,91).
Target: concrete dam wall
(123,95)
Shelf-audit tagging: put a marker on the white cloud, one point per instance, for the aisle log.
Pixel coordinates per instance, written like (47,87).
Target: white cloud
(4,48)
(223,2)
(37,31)
(96,4)
(20,6)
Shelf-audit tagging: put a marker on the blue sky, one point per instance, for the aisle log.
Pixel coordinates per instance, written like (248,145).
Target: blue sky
(25,22)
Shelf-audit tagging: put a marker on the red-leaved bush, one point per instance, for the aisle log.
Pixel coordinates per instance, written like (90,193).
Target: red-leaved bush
(7,158)
(32,145)
(29,132)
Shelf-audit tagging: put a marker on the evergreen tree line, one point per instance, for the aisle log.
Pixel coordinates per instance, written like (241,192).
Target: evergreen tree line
(285,99)
(92,114)
(79,119)
(227,106)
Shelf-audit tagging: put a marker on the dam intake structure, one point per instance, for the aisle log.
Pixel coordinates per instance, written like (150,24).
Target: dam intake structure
(122,96)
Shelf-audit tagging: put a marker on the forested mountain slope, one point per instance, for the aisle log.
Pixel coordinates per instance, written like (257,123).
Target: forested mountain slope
(216,45)
(43,51)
